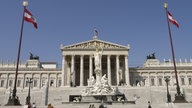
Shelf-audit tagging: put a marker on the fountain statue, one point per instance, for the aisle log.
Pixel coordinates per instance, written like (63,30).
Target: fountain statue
(99,86)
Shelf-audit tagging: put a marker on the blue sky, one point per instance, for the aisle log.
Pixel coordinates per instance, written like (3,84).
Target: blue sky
(140,23)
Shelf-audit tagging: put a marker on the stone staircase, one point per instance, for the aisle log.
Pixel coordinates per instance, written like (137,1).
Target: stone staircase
(165,105)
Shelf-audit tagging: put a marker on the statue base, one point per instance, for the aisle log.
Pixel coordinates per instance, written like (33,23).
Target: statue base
(13,102)
(179,99)
(107,99)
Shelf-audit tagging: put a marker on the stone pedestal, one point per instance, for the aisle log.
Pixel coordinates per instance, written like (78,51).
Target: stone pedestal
(97,98)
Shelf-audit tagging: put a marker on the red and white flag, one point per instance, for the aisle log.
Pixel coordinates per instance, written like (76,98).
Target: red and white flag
(29,18)
(172,20)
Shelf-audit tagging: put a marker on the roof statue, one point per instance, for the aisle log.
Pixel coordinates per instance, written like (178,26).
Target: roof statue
(151,56)
(32,57)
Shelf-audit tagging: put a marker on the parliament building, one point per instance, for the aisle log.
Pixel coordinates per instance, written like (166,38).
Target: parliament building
(141,83)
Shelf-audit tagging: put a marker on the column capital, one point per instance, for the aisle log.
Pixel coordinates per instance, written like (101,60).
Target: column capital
(73,55)
(117,55)
(109,55)
(63,56)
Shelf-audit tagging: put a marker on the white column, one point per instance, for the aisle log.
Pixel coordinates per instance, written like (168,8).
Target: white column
(109,69)
(56,80)
(72,74)
(101,65)
(149,80)
(63,71)
(179,78)
(156,80)
(81,71)
(164,83)
(127,71)
(90,66)
(186,79)
(24,75)
(40,80)
(48,79)
(117,68)
(7,81)
(171,79)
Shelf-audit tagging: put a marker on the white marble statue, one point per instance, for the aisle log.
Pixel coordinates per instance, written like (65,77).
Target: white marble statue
(97,56)
(104,80)
(91,81)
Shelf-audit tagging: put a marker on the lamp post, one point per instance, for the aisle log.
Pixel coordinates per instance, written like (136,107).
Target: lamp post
(14,100)
(168,95)
(29,81)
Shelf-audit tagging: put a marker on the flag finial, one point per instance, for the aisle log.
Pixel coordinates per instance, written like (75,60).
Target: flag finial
(165,5)
(95,33)
(25,3)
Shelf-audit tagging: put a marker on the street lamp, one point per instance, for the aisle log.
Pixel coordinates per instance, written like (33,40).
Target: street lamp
(29,81)
(168,95)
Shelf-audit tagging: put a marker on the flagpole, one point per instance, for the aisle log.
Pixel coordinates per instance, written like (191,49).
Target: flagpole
(14,100)
(178,97)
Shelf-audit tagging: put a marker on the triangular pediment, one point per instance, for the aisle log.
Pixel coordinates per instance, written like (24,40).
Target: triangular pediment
(93,44)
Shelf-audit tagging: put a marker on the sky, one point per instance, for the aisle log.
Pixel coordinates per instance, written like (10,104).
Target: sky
(140,23)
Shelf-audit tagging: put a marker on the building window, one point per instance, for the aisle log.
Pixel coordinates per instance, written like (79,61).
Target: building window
(182,81)
(160,82)
(34,83)
(18,83)
(59,83)
(10,83)
(51,83)
(152,82)
(2,83)
(190,81)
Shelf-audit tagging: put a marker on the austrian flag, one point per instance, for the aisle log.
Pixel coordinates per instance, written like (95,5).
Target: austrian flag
(172,20)
(29,18)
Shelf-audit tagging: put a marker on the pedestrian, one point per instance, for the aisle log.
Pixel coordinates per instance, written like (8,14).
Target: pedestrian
(29,105)
(149,104)
(50,106)
(101,106)
(33,106)
(92,106)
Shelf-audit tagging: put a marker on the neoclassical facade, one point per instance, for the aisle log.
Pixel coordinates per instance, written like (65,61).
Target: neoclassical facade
(78,62)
